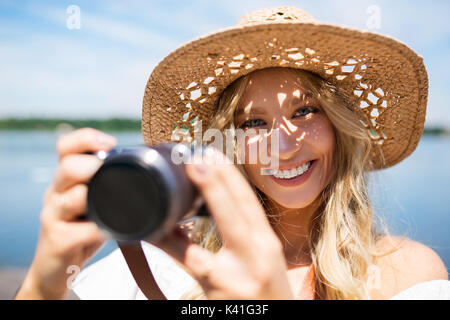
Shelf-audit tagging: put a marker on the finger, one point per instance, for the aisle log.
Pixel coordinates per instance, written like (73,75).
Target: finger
(198,261)
(85,233)
(84,140)
(72,203)
(247,203)
(220,203)
(75,169)
(245,199)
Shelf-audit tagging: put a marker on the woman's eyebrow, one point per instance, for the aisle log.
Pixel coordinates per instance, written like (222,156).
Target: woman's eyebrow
(306,95)
(252,110)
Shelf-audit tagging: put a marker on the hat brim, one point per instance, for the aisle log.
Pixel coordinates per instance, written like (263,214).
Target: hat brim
(386,77)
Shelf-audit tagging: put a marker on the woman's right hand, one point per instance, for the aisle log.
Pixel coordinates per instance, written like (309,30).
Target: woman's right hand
(64,239)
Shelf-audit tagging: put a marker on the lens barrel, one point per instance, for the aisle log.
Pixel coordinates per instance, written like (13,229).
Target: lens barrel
(140,193)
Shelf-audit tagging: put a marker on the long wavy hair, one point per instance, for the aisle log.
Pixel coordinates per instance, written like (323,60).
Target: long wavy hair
(343,232)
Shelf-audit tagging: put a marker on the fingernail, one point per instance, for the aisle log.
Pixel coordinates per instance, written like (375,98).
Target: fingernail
(107,140)
(201,168)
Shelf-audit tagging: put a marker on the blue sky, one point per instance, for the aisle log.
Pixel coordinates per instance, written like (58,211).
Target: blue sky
(101,69)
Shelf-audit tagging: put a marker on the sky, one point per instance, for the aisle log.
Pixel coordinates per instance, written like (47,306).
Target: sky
(92,59)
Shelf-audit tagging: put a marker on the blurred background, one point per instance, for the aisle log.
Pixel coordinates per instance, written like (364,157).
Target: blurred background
(69,64)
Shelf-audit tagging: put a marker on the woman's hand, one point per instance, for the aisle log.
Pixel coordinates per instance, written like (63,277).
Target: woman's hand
(251,264)
(64,239)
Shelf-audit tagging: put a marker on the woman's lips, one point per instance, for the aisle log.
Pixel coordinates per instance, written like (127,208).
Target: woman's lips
(297,180)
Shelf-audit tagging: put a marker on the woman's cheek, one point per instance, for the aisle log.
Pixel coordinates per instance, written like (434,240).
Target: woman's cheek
(320,133)
(323,138)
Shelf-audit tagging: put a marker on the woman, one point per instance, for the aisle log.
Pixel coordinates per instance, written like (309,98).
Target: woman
(306,229)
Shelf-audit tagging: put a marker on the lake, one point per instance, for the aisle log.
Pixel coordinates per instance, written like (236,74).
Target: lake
(413,197)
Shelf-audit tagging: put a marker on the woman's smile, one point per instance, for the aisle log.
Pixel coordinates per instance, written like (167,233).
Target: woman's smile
(295,176)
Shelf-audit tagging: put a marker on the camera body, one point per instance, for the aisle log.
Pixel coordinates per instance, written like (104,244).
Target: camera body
(139,193)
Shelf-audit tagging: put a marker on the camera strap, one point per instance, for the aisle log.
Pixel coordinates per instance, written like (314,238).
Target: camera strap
(138,264)
(141,271)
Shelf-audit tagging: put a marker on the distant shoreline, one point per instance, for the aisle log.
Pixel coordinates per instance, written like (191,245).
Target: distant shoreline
(114,124)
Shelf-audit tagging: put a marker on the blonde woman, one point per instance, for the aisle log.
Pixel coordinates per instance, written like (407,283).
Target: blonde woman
(302,231)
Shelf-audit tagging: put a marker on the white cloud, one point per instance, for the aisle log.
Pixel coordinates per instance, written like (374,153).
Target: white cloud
(111,29)
(70,79)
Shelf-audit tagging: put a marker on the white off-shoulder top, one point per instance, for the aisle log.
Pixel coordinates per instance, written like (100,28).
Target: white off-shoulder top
(110,279)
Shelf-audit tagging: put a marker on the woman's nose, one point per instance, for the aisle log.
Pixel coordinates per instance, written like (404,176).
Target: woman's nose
(289,140)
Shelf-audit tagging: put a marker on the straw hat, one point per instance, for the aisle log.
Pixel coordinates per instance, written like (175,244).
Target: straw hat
(387,79)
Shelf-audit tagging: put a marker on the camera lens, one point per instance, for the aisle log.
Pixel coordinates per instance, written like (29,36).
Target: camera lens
(128,200)
(141,193)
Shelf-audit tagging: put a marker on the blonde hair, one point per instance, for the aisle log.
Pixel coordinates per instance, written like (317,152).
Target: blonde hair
(342,234)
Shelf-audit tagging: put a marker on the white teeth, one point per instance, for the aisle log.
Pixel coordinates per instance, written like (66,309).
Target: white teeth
(294,172)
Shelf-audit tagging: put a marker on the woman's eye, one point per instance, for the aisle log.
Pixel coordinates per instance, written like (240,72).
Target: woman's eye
(304,111)
(252,123)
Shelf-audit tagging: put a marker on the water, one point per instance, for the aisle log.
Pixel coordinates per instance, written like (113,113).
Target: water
(28,160)
(412,197)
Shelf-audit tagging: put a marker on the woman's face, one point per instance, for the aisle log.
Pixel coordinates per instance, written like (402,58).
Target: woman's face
(275,100)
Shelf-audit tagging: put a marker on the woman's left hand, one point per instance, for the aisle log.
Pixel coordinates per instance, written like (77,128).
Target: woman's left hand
(251,263)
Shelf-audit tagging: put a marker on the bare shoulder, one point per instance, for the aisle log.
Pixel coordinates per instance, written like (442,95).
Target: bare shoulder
(404,263)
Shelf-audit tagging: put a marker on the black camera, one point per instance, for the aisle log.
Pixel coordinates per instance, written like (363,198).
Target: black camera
(141,193)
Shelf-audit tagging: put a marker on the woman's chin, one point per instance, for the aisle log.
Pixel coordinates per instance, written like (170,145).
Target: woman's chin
(292,202)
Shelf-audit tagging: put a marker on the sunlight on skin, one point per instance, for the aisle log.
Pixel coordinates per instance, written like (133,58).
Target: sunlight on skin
(290,126)
(287,127)
(254,139)
(301,137)
(281,98)
(248,108)
(282,126)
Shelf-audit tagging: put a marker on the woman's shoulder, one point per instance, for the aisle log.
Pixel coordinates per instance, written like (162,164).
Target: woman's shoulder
(110,278)
(404,263)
